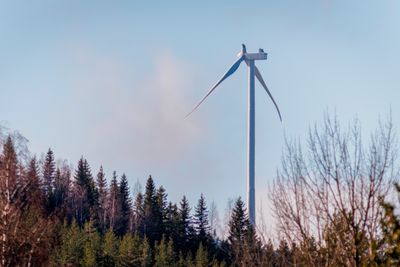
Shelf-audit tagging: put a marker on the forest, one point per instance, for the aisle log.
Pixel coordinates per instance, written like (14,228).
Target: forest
(330,199)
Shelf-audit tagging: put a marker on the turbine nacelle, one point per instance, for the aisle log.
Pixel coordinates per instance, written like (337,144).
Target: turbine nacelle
(261,55)
(255,56)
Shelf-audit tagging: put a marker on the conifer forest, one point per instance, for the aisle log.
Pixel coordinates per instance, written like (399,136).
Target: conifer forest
(330,210)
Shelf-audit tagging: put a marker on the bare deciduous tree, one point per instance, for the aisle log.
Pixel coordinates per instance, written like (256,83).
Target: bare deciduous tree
(327,200)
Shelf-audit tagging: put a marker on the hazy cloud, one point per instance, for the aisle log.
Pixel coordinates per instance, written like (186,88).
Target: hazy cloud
(138,116)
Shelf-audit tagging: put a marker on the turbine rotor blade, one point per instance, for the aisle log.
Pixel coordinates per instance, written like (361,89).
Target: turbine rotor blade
(261,80)
(231,70)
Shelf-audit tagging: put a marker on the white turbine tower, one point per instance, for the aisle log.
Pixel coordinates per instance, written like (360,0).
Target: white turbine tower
(249,58)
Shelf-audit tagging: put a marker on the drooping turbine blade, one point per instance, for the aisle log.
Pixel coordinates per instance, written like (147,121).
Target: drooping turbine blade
(231,70)
(261,80)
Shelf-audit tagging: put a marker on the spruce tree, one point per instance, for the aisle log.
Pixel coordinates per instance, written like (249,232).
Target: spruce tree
(161,197)
(101,184)
(151,220)
(49,167)
(238,230)
(201,221)
(185,227)
(35,196)
(172,223)
(126,206)
(85,192)
(238,223)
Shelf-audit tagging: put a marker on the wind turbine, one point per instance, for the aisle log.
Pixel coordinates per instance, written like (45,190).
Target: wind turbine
(249,58)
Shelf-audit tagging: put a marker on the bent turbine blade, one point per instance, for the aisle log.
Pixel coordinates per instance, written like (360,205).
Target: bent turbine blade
(231,70)
(261,80)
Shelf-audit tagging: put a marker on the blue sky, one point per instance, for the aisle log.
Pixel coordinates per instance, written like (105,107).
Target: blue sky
(112,81)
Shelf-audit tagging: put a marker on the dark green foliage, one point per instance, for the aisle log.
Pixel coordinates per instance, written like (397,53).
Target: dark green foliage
(125,204)
(152,215)
(202,227)
(85,194)
(186,230)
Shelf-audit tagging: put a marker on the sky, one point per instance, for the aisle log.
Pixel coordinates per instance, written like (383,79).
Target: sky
(113,80)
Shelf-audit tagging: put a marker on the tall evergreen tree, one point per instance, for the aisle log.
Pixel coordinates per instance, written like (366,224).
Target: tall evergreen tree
(185,228)
(162,203)
(126,206)
(34,196)
(172,224)
(151,220)
(238,230)
(201,221)
(85,192)
(101,184)
(49,168)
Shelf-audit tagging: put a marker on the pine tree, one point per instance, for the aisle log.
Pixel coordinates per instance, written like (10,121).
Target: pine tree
(126,205)
(238,231)
(185,227)
(238,223)
(49,167)
(161,197)
(101,184)
(34,196)
(151,220)
(201,221)
(172,223)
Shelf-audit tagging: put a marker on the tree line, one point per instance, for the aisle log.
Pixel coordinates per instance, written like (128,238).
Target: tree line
(330,201)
